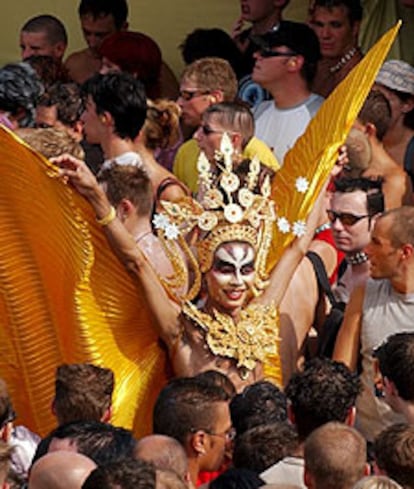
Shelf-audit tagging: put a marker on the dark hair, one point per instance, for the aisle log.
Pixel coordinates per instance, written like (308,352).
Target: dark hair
(376,110)
(353,7)
(258,404)
(101,442)
(128,182)
(204,43)
(264,445)
(237,479)
(68,100)
(51,25)
(184,406)
(20,88)
(123,97)
(396,362)
(126,474)
(214,377)
(82,392)
(324,391)
(405,97)
(49,69)
(372,187)
(101,8)
(394,453)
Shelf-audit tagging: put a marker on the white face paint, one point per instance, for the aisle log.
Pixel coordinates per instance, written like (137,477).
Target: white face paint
(231,277)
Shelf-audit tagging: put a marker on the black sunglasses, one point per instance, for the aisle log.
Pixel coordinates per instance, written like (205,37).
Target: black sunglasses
(346,218)
(268,53)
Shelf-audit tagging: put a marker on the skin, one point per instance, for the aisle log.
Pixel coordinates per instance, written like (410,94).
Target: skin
(93,124)
(192,110)
(334,30)
(96,29)
(37,43)
(230,280)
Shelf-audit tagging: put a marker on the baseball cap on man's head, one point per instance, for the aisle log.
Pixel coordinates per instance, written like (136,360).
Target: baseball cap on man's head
(397,75)
(297,36)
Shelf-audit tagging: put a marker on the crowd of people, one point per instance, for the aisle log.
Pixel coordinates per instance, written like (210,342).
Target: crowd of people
(266,386)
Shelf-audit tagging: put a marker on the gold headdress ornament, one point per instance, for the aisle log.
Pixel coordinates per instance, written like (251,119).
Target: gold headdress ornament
(229,210)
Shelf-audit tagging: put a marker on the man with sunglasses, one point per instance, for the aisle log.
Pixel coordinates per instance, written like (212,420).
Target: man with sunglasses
(380,308)
(285,66)
(354,204)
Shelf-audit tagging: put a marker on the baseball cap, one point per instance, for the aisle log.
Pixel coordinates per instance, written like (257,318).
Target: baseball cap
(397,75)
(297,36)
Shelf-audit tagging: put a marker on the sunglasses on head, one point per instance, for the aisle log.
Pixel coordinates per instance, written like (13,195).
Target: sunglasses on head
(268,53)
(346,218)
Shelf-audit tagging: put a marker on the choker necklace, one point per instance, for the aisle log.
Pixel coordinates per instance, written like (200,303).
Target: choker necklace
(322,227)
(343,61)
(357,258)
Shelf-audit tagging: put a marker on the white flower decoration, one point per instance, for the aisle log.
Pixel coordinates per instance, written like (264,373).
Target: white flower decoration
(230,182)
(160,221)
(233,213)
(171,231)
(283,225)
(299,228)
(207,221)
(301,185)
(245,197)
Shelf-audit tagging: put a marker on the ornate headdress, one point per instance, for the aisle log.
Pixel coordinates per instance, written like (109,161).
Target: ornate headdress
(229,210)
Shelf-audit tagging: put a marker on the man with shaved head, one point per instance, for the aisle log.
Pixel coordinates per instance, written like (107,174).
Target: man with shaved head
(60,470)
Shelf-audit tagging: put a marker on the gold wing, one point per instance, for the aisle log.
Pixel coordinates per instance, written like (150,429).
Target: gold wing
(315,152)
(65,298)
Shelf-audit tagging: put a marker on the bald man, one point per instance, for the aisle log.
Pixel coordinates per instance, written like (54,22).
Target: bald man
(165,453)
(60,470)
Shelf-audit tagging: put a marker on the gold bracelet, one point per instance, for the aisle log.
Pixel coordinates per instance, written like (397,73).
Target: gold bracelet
(108,218)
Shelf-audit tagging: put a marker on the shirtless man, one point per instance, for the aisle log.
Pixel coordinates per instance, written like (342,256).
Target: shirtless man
(230,260)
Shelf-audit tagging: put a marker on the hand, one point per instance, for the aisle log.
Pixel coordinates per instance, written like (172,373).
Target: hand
(237,29)
(341,162)
(78,174)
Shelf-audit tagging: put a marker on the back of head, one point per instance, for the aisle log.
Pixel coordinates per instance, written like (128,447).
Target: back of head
(137,54)
(377,111)
(262,446)
(82,392)
(205,43)
(377,482)
(394,453)
(324,391)
(126,474)
(60,470)
(359,153)
(401,229)
(50,70)
(184,406)
(213,74)
(164,452)
(167,479)
(101,442)
(102,8)
(68,101)
(53,28)
(51,142)
(396,363)
(162,125)
(237,479)
(335,456)
(353,7)
(233,117)
(20,90)
(258,404)
(128,182)
(123,97)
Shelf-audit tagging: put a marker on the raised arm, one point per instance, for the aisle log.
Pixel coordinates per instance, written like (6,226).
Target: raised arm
(165,311)
(349,336)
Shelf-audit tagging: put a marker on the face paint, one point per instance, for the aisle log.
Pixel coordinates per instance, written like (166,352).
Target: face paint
(231,277)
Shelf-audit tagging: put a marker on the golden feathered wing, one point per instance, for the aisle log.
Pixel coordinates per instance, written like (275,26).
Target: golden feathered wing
(65,298)
(315,152)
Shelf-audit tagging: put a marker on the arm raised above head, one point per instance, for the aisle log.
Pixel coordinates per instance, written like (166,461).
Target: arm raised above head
(124,246)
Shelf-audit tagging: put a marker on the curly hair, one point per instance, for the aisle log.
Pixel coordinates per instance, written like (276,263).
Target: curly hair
(162,125)
(324,391)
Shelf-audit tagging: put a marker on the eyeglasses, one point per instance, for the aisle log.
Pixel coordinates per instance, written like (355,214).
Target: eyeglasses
(346,218)
(268,53)
(187,95)
(228,435)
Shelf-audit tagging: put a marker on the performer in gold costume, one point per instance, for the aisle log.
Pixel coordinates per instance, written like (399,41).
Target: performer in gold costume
(64,298)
